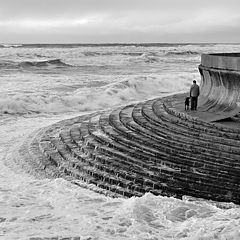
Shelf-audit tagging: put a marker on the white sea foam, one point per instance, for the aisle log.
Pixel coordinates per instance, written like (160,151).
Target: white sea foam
(38,208)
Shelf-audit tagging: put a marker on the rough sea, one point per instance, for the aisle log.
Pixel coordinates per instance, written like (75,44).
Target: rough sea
(43,84)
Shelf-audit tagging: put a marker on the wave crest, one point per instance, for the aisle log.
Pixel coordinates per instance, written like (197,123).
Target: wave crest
(36,64)
(53,62)
(94,53)
(10,45)
(169,53)
(144,57)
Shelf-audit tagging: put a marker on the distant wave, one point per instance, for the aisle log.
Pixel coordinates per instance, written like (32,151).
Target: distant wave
(147,57)
(146,45)
(55,62)
(94,53)
(10,45)
(95,45)
(31,64)
(181,53)
(41,55)
(8,64)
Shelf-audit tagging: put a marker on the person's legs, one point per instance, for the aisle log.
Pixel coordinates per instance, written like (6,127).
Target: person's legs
(192,103)
(196,103)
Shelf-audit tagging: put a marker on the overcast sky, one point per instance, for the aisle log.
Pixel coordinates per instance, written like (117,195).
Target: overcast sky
(104,21)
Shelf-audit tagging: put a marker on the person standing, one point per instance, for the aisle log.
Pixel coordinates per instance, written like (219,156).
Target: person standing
(194,93)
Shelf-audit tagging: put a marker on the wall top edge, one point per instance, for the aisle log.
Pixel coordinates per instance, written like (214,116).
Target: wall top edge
(232,54)
(227,61)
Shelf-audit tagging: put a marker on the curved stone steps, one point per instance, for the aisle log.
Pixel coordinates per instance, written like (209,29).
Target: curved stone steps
(221,166)
(110,151)
(41,161)
(53,155)
(135,165)
(149,147)
(135,137)
(210,127)
(149,158)
(185,128)
(56,152)
(189,143)
(121,134)
(164,164)
(190,189)
(185,119)
(96,146)
(152,174)
(215,135)
(37,152)
(57,157)
(231,168)
(128,171)
(218,179)
(91,171)
(136,141)
(221,163)
(117,134)
(150,144)
(189,185)
(211,151)
(218,170)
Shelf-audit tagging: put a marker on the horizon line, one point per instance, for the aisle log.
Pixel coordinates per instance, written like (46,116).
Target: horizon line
(118,43)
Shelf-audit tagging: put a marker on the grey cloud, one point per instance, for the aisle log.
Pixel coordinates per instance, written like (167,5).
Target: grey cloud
(119,20)
(52,8)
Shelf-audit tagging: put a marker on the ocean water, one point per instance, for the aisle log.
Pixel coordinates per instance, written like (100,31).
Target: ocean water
(43,84)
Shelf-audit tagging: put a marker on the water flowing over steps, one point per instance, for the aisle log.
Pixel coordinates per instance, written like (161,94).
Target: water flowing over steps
(139,148)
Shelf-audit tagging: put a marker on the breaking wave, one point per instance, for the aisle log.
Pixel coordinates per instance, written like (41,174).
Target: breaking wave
(137,88)
(54,62)
(145,58)
(10,45)
(94,53)
(31,64)
(169,53)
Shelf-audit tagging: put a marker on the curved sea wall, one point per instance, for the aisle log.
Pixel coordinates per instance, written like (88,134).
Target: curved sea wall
(220,74)
(151,146)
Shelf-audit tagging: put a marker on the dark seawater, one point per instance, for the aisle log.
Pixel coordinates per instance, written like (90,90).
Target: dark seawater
(42,84)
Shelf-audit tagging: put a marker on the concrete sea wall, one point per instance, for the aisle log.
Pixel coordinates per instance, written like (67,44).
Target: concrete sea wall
(220,74)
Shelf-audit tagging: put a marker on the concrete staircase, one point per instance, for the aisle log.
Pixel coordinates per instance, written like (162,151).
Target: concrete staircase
(144,147)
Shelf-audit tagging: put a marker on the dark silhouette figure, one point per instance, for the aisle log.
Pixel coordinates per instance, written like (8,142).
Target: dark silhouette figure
(187,101)
(194,93)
